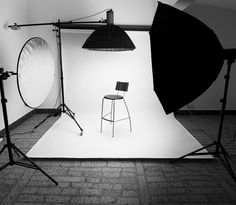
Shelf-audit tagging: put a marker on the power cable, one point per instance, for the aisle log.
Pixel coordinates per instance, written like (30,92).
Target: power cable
(90,15)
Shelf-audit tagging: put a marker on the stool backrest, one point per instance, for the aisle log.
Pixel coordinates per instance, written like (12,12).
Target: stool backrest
(122,86)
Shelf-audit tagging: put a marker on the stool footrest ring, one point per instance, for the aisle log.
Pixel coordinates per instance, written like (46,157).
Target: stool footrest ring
(113,120)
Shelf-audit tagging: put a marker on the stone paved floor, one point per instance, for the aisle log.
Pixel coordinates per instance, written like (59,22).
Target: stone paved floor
(122,181)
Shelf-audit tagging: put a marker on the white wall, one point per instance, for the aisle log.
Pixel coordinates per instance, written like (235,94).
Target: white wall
(125,12)
(10,44)
(134,12)
(222,22)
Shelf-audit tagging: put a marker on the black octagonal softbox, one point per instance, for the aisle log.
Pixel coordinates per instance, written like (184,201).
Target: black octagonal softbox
(186,57)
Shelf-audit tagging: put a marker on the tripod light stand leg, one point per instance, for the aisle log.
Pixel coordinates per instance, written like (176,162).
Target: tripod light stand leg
(43,121)
(226,163)
(69,110)
(4,147)
(224,152)
(35,166)
(50,115)
(228,167)
(71,115)
(15,152)
(5,165)
(195,152)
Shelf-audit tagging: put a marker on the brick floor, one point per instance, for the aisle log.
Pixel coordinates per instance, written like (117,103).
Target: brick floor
(122,181)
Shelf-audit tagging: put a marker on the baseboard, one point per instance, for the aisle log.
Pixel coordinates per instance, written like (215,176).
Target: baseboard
(204,112)
(25,117)
(45,110)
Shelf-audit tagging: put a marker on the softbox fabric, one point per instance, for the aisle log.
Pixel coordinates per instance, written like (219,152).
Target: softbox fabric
(186,57)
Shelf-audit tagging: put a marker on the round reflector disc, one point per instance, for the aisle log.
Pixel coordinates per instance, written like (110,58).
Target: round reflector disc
(35,72)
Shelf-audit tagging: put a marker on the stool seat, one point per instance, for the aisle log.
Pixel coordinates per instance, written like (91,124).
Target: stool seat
(113,97)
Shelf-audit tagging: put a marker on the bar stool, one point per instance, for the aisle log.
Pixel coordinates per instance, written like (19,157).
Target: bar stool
(120,87)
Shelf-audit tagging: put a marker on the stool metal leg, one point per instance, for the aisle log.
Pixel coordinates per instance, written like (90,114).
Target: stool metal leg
(111,113)
(113,120)
(101,115)
(130,126)
(112,116)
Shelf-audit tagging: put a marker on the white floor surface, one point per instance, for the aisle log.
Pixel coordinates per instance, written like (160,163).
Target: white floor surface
(88,76)
(154,135)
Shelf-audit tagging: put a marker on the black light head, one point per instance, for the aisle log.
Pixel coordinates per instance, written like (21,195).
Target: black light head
(109,37)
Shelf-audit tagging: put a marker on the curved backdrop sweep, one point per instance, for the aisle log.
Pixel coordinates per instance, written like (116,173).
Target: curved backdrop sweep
(35,72)
(186,57)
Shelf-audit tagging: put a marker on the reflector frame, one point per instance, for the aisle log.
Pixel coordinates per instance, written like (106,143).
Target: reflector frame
(35,72)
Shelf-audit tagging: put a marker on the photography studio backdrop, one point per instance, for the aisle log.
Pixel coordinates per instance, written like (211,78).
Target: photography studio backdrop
(84,100)
(88,76)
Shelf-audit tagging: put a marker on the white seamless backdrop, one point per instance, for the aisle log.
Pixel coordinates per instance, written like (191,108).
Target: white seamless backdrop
(89,75)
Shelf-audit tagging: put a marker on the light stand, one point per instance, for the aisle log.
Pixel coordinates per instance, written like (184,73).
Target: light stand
(63,107)
(220,151)
(9,145)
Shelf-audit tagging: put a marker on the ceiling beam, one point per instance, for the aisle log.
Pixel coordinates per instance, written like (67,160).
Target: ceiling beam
(93,27)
